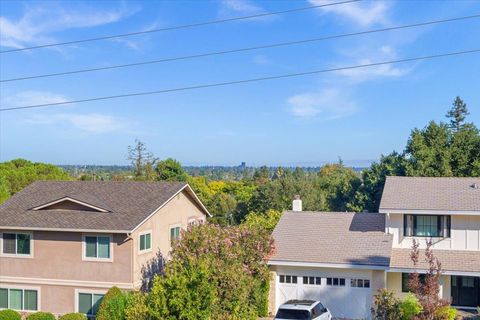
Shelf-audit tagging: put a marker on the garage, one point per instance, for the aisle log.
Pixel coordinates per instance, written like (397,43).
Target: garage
(346,293)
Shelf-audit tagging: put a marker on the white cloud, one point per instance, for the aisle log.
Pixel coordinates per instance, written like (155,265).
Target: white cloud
(361,13)
(90,123)
(329,104)
(28,98)
(241,6)
(373,55)
(38,24)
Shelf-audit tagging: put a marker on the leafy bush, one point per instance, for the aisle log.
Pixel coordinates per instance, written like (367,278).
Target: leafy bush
(112,306)
(446,313)
(136,307)
(410,307)
(386,306)
(220,272)
(41,316)
(9,314)
(73,316)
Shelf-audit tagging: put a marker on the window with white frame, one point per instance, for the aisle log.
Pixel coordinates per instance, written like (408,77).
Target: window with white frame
(88,303)
(287,279)
(19,299)
(336,282)
(174,234)
(16,243)
(312,280)
(145,241)
(97,247)
(359,283)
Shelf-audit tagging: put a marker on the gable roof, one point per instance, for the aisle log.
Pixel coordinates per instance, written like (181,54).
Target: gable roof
(129,204)
(332,238)
(431,193)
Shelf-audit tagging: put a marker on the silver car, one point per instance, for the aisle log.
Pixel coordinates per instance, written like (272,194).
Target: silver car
(303,310)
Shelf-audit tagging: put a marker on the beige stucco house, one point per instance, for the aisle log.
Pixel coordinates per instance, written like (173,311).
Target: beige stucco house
(64,244)
(342,259)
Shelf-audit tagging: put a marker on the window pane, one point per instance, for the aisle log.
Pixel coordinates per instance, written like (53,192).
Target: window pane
(289,279)
(366,283)
(318,281)
(142,242)
(3,298)
(97,298)
(148,241)
(282,279)
(353,283)
(342,282)
(335,281)
(23,243)
(91,247)
(305,280)
(294,279)
(329,281)
(16,298)
(9,243)
(104,247)
(30,300)
(85,303)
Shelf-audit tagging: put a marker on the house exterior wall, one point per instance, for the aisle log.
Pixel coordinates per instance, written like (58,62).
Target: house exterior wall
(465,233)
(57,256)
(177,212)
(394,284)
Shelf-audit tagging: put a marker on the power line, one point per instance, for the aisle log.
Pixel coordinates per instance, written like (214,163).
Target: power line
(185,26)
(215,53)
(219,84)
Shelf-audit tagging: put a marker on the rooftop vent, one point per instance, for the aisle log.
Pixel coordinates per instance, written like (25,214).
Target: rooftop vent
(474,186)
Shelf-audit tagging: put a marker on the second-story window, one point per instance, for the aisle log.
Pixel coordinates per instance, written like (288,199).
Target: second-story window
(97,247)
(145,241)
(16,244)
(174,234)
(426,226)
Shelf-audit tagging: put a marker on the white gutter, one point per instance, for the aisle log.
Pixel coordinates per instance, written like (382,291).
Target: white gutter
(325,265)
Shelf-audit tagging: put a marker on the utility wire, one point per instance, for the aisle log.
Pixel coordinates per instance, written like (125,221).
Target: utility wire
(215,53)
(185,26)
(219,84)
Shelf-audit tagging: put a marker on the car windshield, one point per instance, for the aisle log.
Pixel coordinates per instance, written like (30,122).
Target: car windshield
(293,314)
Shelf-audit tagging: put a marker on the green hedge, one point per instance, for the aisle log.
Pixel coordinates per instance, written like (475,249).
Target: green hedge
(10,315)
(41,316)
(73,316)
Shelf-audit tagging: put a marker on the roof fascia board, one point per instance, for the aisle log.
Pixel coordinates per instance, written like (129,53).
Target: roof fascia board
(432,212)
(444,272)
(190,190)
(325,265)
(72,200)
(63,229)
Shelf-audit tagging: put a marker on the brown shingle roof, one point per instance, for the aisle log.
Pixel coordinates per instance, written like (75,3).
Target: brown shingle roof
(451,260)
(128,203)
(428,193)
(337,238)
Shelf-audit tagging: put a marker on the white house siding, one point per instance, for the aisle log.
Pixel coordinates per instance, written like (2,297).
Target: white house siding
(465,233)
(394,284)
(344,302)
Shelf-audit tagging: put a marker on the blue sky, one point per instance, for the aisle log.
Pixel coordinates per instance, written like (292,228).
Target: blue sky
(309,120)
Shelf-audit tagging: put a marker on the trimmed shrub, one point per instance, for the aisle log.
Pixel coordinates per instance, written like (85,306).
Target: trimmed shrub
(9,314)
(446,313)
(112,306)
(410,307)
(386,306)
(41,316)
(73,316)
(136,307)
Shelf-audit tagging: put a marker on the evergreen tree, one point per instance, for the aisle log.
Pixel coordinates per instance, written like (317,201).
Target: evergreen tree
(457,114)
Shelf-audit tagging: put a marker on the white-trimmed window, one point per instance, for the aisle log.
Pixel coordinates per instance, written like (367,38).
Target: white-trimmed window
(145,241)
(16,244)
(359,283)
(336,282)
(174,234)
(20,299)
(87,302)
(97,247)
(287,279)
(312,281)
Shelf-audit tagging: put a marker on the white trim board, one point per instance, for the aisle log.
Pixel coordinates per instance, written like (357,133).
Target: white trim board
(445,273)
(65,282)
(51,203)
(325,265)
(430,212)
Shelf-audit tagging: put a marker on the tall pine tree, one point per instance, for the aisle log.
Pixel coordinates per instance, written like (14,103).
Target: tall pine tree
(457,114)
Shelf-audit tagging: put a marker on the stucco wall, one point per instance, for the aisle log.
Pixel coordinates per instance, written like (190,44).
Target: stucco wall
(394,284)
(465,233)
(58,256)
(175,213)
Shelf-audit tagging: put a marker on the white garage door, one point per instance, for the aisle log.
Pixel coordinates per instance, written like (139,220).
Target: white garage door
(345,297)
